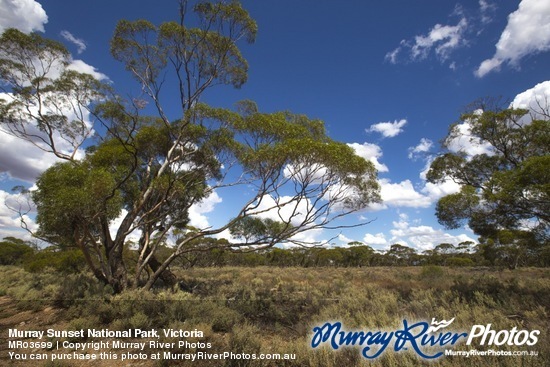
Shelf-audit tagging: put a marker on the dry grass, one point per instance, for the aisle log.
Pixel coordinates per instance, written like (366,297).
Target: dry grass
(273,310)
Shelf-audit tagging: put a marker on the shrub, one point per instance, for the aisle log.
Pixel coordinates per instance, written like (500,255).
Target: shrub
(68,261)
(140,321)
(14,252)
(222,318)
(244,339)
(80,289)
(431,272)
(83,323)
(459,261)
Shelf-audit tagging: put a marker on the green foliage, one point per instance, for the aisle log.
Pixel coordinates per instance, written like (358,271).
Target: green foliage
(69,198)
(360,255)
(33,70)
(431,272)
(508,293)
(244,340)
(209,52)
(514,249)
(65,261)
(75,290)
(401,255)
(292,144)
(253,228)
(22,48)
(14,251)
(452,209)
(460,261)
(504,187)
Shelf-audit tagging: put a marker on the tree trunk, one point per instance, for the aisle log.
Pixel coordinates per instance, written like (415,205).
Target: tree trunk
(167,277)
(118,278)
(162,271)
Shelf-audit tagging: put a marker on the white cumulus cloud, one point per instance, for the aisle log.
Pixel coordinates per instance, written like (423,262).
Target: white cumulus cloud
(424,146)
(283,209)
(197,212)
(527,32)
(25,15)
(423,237)
(82,67)
(465,142)
(21,159)
(370,152)
(441,39)
(402,194)
(388,129)
(536,100)
(438,190)
(435,191)
(378,239)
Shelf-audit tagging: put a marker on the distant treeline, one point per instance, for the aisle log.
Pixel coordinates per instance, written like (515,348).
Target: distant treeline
(14,251)
(360,255)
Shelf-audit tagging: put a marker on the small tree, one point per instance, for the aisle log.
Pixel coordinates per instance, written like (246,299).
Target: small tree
(149,168)
(358,254)
(401,255)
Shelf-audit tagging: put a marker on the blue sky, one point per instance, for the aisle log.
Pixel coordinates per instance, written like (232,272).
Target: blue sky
(387,77)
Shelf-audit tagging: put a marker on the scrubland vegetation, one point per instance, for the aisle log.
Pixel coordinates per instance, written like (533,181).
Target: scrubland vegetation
(273,309)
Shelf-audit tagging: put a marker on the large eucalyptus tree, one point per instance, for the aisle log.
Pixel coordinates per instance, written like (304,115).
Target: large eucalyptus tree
(149,165)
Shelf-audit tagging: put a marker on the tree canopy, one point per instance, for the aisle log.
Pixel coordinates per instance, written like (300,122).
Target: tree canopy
(505,185)
(149,166)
